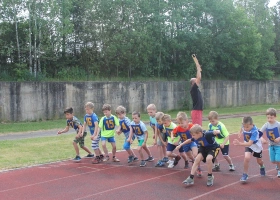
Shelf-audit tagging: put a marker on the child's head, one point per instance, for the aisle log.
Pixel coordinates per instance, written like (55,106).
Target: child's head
(151,109)
(89,107)
(120,112)
(247,123)
(136,117)
(68,113)
(213,118)
(158,117)
(182,119)
(196,131)
(106,109)
(166,120)
(271,115)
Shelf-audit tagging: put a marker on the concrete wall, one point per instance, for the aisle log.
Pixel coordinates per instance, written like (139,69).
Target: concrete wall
(47,100)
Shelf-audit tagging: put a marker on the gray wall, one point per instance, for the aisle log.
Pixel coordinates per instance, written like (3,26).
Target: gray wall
(47,100)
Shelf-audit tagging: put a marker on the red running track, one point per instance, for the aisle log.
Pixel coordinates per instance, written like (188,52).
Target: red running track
(68,180)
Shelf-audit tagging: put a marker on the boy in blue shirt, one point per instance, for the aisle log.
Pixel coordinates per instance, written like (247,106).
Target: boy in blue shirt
(75,123)
(252,144)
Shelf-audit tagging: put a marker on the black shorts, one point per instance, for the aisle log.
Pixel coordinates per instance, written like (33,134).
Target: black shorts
(209,151)
(225,150)
(255,154)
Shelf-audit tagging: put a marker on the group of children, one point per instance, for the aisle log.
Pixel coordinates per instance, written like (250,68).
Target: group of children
(192,142)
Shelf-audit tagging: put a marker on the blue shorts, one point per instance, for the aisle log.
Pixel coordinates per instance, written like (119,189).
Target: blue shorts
(274,153)
(188,147)
(109,139)
(225,150)
(171,147)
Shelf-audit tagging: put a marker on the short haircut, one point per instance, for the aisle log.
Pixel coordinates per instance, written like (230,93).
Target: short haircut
(106,107)
(181,116)
(89,105)
(247,120)
(166,117)
(68,110)
(120,110)
(195,129)
(152,107)
(136,113)
(271,112)
(213,115)
(159,115)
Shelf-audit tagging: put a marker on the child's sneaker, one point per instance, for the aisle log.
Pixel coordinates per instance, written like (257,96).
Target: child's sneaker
(101,157)
(231,168)
(106,158)
(177,160)
(143,163)
(89,156)
(199,172)
(165,159)
(171,164)
(159,164)
(77,159)
(216,167)
(150,159)
(262,171)
(170,161)
(135,159)
(244,177)
(115,159)
(210,180)
(186,164)
(189,181)
(130,159)
(278,175)
(96,160)
(276,168)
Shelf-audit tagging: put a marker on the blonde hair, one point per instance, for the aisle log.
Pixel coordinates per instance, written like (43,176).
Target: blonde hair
(166,117)
(271,112)
(152,107)
(182,116)
(213,115)
(120,110)
(195,129)
(89,105)
(159,115)
(106,107)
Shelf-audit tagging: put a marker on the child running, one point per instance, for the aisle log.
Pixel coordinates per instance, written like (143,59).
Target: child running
(252,144)
(125,128)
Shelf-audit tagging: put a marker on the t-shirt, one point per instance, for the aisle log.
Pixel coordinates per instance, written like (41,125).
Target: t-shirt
(272,132)
(183,133)
(125,126)
(153,122)
(139,130)
(224,132)
(107,126)
(90,119)
(160,127)
(168,131)
(196,97)
(74,123)
(253,134)
(207,140)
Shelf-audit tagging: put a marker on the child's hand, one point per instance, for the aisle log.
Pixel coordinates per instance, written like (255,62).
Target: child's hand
(165,144)
(176,143)
(155,142)
(81,135)
(59,132)
(118,132)
(178,147)
(222,146)
(93,137)
(172,138)
(236,142)
(130,141)
(276,140)
(144,144)
(216,132)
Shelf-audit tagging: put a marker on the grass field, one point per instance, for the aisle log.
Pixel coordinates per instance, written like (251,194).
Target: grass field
(26,152)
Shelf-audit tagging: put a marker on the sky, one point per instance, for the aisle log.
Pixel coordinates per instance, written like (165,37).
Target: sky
(272,3)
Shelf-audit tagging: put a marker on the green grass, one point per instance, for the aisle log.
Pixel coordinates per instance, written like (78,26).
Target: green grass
(59,124)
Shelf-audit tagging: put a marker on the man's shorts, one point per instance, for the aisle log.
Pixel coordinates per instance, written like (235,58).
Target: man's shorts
(196,117)
(171,147)
(208,151)
(225,150)
(109,139)
(81,140)
(255,154)
(188,147)
(163,135)
(274,153)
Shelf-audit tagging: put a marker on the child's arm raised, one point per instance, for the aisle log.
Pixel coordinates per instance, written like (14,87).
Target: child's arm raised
(245,144)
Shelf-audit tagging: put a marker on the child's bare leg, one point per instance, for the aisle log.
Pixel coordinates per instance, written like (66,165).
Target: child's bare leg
(197,160)
(246,162)
(147,150)
(171,154)
(130,152)
(114,148)
(76,148)
(140,152)
(159,148)
(164,151)
(184,156)
(209,163)
(228,159)
(260,162)
(104,147)
(190,155)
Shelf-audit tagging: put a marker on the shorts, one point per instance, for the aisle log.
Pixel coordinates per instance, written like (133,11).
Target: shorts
(95,143)
(81,140)
(225,150)
(140,143)
(109,139)
(188,147)
(209,151)
(274,153)
(164,138)
(196,117)
(255,154)
(171,147)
